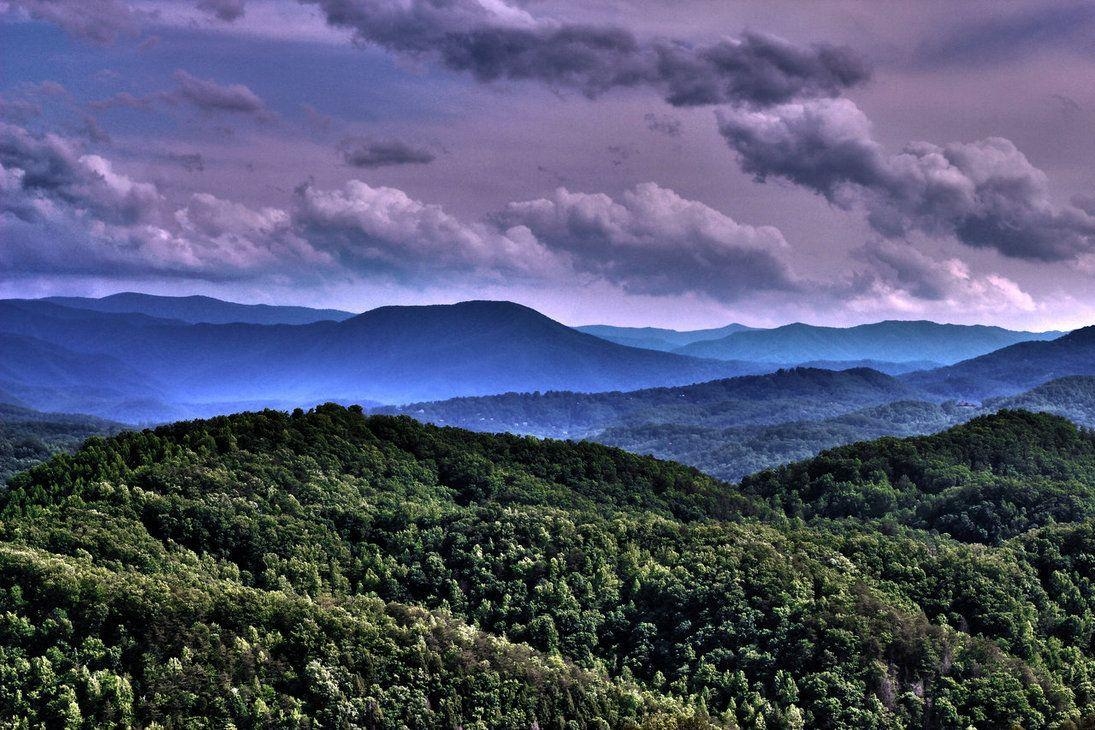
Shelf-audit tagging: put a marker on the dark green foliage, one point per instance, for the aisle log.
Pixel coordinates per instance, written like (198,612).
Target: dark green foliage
(328,569)
(984,481)
(28,437)
(731,453)
(1072,397)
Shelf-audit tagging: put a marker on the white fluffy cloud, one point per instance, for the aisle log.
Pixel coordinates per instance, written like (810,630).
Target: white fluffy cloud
(903,278)
(653,241)
(383,228)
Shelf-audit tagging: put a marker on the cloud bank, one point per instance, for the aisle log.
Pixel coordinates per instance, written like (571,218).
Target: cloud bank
(985,194)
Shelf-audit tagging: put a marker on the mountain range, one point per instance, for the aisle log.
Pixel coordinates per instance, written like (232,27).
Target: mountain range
(889,341)
(1013,369)
(199,309)
(390,354)
(141,358)
(658,338)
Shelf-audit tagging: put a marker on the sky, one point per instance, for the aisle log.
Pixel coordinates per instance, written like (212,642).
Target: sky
(681,163)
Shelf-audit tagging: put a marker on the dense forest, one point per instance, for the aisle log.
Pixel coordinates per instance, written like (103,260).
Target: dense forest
(731,453)
(325,568)
(734,427)
(28,437)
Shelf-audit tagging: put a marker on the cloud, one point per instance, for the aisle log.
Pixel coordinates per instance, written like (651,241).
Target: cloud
(1013,36)
(189,161)
(122,100)
(903,278)
(985,193)
(18,110)
(493,40)
(208,95)
(63,211)
(383,230)
(368,153)
(653,241)
(226,10)
(97,21)
(663,124)
(94,131)
(52,170)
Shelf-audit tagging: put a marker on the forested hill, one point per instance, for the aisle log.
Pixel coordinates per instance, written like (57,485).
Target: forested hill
(983,481)
(329,569)
(790,394)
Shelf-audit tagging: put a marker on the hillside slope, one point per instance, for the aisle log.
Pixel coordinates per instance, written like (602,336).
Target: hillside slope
(1013,369)
(324,567)
(786,395)
(987,480)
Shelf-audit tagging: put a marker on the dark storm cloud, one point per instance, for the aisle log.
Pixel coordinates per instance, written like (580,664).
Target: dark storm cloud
(226,10)
(495,41)
(908,268)
(209,95)
(96,21)
(51,168)
(985,193)
(368,153)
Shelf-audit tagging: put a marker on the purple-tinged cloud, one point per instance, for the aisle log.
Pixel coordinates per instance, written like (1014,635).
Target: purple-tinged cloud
(382,230)
(122,100)
(493,41)
(208,95)
(985,193)
(189,161)
(663,124)
(52,169)
(62,211)
(97,21)
(901,277)
(93,131)
(18,110)
(653,241)
(369,153)
(226,10)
